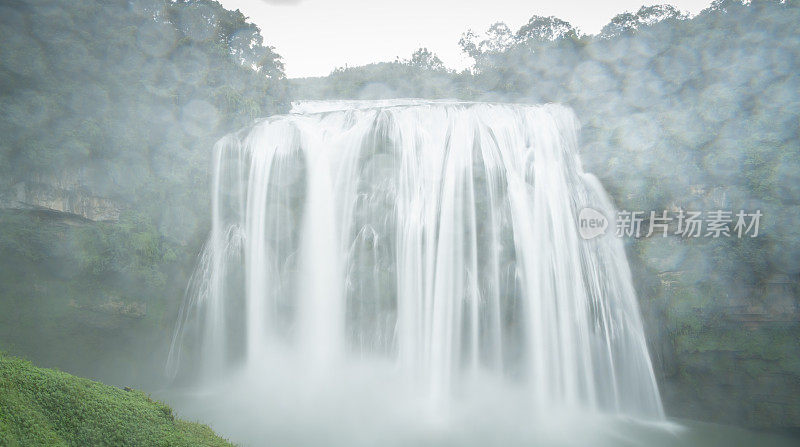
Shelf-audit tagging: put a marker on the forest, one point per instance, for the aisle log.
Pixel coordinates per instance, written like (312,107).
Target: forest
(111,108)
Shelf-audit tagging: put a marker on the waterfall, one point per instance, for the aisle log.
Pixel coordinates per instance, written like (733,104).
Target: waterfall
(440,236)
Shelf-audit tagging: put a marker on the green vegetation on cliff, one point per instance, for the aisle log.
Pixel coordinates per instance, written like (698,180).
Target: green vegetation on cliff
(47,407)
(110,112)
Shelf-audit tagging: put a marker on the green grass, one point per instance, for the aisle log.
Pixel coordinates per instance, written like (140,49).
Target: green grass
(47,407)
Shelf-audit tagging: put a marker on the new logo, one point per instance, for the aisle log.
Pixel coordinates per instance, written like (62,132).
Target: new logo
(591,223)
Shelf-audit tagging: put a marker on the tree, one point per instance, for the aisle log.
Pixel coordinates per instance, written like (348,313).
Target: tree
(498,39)
(426,60)
(646,16)
(545,29)
(724,5)
(469,45)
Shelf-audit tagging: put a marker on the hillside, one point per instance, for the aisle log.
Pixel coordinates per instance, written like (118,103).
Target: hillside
(110,111)
(41,406)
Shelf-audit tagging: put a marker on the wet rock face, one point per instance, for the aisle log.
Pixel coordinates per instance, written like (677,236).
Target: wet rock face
(63,193)
(725,351)
(115,306)
(76,202)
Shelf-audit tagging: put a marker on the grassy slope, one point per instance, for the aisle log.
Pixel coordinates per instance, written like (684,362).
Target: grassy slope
(41,406)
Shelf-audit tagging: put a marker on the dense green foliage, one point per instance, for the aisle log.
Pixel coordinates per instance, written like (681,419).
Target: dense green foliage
(122,100)
(47,407)
(422,76)
(91,297)
(101,81)
(110,111)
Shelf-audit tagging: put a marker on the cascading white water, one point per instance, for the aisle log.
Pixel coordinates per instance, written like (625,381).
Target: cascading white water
(439,235)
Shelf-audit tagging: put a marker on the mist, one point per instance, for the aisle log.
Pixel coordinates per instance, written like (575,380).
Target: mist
(397,252)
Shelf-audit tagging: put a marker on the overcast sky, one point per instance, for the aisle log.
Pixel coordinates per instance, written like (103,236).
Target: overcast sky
(316,36)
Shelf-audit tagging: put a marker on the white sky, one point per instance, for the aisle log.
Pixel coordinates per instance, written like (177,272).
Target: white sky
(316,36)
